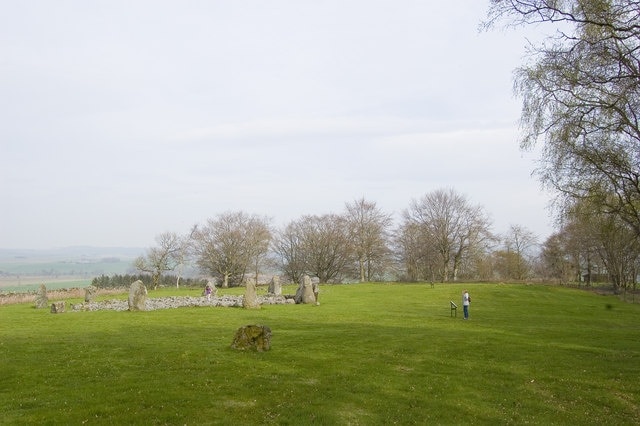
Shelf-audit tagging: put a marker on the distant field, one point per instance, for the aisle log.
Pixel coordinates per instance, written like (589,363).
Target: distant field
(65,268)
(23,272)
(31,283)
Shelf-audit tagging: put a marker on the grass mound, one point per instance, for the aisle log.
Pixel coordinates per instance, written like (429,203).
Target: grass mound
(370,354)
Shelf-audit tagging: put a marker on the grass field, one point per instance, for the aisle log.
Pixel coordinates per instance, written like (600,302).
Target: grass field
(370,354)
(26,274)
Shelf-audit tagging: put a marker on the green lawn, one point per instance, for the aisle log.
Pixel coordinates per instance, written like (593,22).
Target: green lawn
(371,354)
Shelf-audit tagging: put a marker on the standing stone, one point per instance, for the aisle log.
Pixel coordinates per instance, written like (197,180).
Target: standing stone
(42,300)
(214,289)
(315,286)
(252,337)
(304,294)
(137,296)
(89,293)
(57,307)
(250,300)
(274,286)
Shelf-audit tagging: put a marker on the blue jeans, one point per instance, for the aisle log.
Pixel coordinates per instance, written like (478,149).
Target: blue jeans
(465,309)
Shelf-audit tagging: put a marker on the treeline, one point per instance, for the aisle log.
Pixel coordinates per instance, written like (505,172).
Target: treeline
(580,96)
(118,281)
(440,237)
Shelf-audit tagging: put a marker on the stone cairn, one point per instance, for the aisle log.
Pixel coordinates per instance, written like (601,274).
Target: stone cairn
(275,287)
(152,304)
(250,300)
(252,337)
(137,297)
(42,300)
(304,294)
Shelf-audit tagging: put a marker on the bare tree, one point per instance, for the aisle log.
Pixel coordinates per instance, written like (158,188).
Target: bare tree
(226,247)
(184,254)
(519,243)
(451,225)
(582,244)
(591,243)
(368,230)
(555,262)
(325,247)
(594,238)
(287,246)
(260,233)
(166,256)
(315,245)
(416,255)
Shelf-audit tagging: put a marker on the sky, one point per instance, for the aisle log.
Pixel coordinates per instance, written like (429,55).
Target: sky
(122,120)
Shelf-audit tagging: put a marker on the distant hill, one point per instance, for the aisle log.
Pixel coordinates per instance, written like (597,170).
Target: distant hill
(76,253)
(20,267)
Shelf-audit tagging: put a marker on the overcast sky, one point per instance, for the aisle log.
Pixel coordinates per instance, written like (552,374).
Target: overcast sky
(125,119)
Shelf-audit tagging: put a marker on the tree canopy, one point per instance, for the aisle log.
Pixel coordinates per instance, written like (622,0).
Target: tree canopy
(227,246)
(581,98)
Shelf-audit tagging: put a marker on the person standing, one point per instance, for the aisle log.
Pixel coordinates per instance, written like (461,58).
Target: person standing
(466,301)
(208,291)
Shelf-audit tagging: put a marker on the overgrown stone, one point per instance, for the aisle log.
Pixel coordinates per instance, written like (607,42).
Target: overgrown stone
(137,296)
(252,337)
(42,300)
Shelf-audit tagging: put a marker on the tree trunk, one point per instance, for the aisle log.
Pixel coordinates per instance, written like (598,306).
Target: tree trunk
(156,281)
(225,282)
(445,271)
